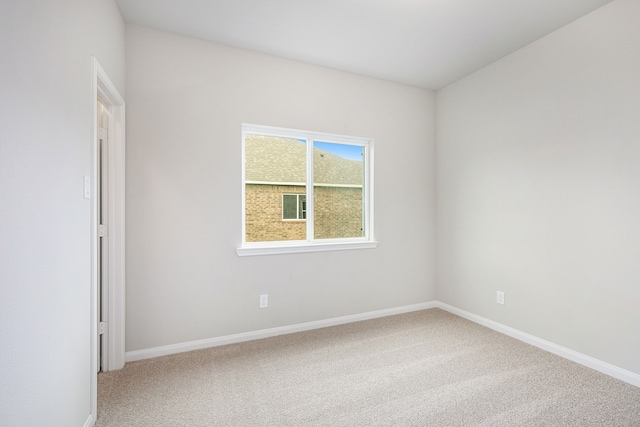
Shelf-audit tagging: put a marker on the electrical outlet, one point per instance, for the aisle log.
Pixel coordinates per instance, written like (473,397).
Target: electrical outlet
(500,299)
(264,301)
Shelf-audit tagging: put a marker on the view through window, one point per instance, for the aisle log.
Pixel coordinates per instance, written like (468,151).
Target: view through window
(301,186)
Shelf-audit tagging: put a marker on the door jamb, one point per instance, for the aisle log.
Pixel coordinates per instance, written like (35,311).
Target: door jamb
(102,86)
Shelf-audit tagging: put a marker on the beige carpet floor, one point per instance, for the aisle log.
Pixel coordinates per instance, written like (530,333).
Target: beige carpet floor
(427,368)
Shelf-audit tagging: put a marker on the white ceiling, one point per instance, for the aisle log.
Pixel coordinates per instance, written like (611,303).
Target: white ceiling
(424,43)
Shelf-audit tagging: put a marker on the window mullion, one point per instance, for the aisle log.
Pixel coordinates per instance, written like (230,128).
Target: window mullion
(297,206)
(310,201)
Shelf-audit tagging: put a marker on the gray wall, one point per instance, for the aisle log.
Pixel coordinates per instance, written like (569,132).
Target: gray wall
(538,188)
(186,101)
(45,149)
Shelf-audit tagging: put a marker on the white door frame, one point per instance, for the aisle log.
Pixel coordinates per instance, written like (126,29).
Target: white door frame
(103,87)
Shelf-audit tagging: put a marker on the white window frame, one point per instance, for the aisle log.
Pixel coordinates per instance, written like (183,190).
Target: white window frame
(310,244)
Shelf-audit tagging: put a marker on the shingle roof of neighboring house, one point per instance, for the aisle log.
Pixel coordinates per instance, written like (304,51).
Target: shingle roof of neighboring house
(283,160)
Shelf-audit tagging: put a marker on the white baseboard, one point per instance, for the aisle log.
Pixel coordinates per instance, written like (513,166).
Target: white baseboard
(588,361)
(583,359)
(131,356)
(90,421)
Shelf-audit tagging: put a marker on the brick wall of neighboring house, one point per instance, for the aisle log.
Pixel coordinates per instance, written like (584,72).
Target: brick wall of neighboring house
(338,213)
(263,204)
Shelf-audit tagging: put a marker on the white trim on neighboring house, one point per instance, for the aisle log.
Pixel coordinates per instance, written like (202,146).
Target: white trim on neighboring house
(302,184)
(287,184)
(321,184)
(112,100)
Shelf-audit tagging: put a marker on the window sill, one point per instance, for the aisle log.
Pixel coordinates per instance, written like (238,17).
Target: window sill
(273,249)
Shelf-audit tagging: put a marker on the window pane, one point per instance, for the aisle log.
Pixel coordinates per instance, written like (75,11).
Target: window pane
(338,176)
(289,206)
(302,212)
(274,167)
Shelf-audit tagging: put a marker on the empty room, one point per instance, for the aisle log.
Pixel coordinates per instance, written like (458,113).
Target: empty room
(331,213)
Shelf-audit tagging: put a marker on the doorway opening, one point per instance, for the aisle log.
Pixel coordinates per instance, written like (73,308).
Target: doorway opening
(107,229)
(104,205)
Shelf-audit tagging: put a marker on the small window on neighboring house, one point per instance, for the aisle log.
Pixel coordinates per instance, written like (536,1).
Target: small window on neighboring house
(294,206)
(305,191)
